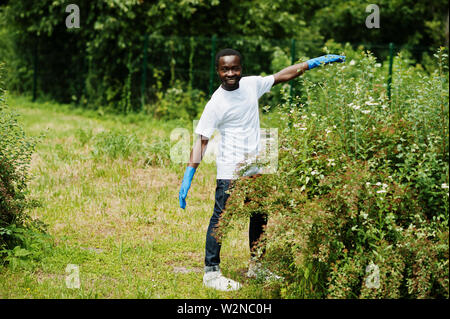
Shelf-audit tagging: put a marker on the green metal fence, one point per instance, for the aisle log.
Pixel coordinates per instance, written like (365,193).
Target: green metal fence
(165,60)
(191,60)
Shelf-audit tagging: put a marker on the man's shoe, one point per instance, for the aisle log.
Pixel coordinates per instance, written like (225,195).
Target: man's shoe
(215,279)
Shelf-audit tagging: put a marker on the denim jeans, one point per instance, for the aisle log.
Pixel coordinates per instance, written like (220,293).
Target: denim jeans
(212,249)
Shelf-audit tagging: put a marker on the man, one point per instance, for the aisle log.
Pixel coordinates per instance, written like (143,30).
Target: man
(233,110)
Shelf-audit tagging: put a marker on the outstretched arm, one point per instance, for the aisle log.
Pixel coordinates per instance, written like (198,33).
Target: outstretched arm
(290,73)
(293,71)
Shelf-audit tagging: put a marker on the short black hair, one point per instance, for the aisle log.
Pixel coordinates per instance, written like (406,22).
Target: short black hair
(225,52)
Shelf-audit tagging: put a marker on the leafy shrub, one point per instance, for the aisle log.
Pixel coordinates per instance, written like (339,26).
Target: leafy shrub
(361,181)
(21,238)
(178,102)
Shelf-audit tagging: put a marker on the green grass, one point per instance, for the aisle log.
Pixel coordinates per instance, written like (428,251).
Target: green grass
(117,217)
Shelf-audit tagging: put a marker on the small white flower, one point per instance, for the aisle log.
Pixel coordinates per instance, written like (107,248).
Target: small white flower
(314,172)
(371,103)
(381,191)
(444,186)
(352,62)
(365,111)
(378,65)
(331,162)
(355,107)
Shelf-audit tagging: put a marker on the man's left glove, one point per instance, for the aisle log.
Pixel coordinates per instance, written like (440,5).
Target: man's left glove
(325,59)
(185,185)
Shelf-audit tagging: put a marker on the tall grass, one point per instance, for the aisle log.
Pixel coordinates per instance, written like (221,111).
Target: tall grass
(109,195)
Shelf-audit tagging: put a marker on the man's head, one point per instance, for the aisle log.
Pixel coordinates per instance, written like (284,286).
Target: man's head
(229,68)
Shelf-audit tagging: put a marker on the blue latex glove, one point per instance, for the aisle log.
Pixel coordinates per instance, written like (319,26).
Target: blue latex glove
(325,59)
(185,185)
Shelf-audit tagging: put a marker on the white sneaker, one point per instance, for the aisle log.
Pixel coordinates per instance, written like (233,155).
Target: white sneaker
(215,279)
(255,270)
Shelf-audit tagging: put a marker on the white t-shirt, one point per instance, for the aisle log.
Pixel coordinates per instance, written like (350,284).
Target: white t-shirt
(236,115)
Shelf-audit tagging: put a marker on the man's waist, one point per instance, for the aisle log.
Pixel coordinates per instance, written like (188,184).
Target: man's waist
(236,160)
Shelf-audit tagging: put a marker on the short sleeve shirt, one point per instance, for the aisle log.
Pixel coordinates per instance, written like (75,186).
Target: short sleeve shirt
(236,115)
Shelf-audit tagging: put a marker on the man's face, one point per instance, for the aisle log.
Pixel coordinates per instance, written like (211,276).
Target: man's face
(229,69)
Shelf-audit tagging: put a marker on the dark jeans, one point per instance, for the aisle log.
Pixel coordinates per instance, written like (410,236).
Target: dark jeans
(212,250)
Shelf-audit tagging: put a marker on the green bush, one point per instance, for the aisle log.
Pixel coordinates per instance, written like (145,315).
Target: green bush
(15,156)
(22,239)
(178,102)
(361,181)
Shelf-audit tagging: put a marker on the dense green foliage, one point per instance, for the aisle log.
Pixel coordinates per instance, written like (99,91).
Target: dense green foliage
(101,63)
(21,238)
(361,180)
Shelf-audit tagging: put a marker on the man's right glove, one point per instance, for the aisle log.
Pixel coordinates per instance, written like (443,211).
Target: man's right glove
(325,59)
(185,185)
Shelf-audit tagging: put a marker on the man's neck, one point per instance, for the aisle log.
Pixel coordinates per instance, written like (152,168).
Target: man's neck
(230,88)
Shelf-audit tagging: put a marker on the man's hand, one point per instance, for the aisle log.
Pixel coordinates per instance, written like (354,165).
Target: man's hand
(185,185)
(325,59)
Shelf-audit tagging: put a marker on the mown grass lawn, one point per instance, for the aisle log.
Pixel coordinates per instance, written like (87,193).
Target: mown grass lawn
(117,218)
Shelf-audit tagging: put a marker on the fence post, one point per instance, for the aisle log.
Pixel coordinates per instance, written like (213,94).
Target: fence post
(212,65)
(391,61)
(144,70)
(35,62)
(191,62)
(292,62)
